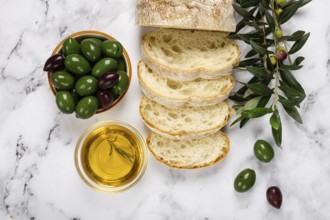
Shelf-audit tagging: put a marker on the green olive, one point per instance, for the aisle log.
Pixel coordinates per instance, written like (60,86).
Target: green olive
(112,48)
(263,151)
(86,107)
(70,46)
(86,85)
(121,64)
(245,180)
(90,50)
(65,102)
(122,84)
(103,66)
(97,41)
(62,80)
(77,64)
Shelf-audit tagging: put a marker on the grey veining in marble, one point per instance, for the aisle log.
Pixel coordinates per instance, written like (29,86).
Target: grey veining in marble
(38,179)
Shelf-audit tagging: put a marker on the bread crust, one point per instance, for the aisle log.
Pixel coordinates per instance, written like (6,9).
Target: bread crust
(186,74)
(220,157)
(177,102)
(182,135)
(216,15)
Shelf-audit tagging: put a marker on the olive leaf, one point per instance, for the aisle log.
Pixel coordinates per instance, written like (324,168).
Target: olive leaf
(260,89)
(248,62)
(275,120)
(240,25)
(263,101)
(305,2)
(289,102)
(261,9)
(289,11)
(291,81)
(258,48)
(290,67)
(258,72)
(299,44)
(266,3)
(255,113)
(237,120)
(251,53)
(249,3)
(292,93)
(251,104)
(295,36)
(248,93)
(270,20)
(293,112)
(254,24)
(277,135)
(298,60)
(243,122)
(241,11)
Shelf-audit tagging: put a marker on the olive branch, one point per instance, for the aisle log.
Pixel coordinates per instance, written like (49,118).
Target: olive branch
(269,61)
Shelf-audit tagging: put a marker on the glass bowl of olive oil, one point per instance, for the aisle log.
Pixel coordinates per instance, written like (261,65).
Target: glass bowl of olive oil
(111,156)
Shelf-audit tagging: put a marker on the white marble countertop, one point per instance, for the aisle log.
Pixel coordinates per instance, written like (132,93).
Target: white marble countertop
(38,179)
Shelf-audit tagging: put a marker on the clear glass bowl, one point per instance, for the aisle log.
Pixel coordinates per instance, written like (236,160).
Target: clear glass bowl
(143,153)
(89,33)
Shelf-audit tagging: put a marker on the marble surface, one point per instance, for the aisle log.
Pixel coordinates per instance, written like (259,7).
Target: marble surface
(38,179)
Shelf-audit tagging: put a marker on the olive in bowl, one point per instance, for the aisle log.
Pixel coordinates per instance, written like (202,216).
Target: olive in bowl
(89,72)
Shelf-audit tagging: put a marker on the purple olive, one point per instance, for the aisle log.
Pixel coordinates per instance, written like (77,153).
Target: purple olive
(108,80)
(282,55)
(274,196)
(105,97)
(55,62)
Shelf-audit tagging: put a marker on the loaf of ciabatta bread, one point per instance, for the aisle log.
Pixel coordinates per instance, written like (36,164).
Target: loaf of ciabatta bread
(216,15)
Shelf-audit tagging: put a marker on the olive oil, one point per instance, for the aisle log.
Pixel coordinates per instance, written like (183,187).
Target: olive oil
(112,156)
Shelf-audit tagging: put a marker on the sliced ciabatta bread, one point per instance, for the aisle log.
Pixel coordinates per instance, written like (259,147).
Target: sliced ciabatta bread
(185,122)
(186,55)
(189,154)
(201,92)
(217,15)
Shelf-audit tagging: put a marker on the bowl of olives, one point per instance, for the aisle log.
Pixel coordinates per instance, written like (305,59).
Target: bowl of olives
(89,72)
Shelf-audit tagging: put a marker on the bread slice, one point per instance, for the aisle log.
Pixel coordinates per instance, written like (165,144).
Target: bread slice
(217,15)
(189,154)
(186,55)
(176,94)
(185,122)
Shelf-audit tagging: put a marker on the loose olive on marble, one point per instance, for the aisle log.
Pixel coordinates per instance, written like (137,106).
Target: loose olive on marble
(274,196)
(112,48)
(70,46)
(54,63)
(105,97)
(65,102)
(108,80)
(263,151)
(90,50)
(122,84)
(62,80)
(77,64)
(103,66)
(97,41)
(121,64)
(86,107)
(245,180)
(86,85)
